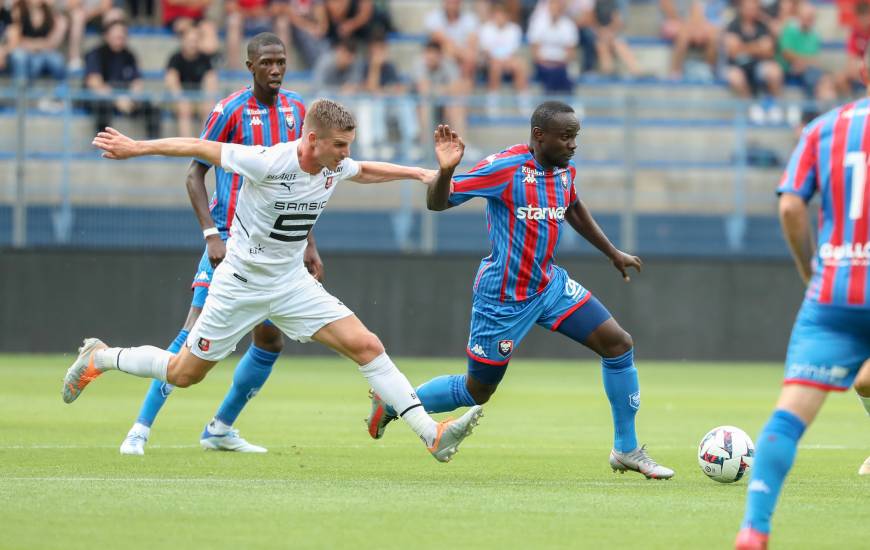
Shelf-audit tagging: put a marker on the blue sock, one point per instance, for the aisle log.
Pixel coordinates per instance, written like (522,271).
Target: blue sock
(250,375)
(159,391)
(623,391)
(443,394)
(774,456)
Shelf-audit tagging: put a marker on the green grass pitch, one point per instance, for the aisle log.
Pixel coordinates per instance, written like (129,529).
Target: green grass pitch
(533,475)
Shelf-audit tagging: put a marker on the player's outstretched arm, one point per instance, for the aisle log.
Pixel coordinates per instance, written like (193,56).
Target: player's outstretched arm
(583,223)
(380,172)
(117,146)
(449,149)
(795,220)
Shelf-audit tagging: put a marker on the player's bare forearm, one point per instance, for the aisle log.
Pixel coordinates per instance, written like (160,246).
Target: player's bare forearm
(198,194)
(117,146)
(311,259)
(380,172)
(183,147)
(794,217)
(437,195)
(583,223)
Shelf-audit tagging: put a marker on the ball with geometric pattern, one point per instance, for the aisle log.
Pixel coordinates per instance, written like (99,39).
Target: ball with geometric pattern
(725,454)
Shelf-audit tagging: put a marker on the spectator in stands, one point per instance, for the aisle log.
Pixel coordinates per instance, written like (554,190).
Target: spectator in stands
(141,11)
(799,46)
(353,20)
(35,36)
(582,12)
(609,41)
(455,30)
(5,22)
(439,83)
(87,14)
(181,15)
(252,16)
(339,71)
(388,103)
(776,13)
(693,26)
(111,71)
(750,49)
(190,70)
(553,38)
(308,26)
(500,41)
(850,80)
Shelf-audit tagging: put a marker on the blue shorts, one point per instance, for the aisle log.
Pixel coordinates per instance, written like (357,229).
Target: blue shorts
(498,329)
(201,281)
(828,346)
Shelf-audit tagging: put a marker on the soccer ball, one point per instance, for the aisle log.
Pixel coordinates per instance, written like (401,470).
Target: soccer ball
(725,454)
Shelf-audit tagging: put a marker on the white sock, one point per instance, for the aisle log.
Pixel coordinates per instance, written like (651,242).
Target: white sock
(389,383)
(142,429)
(218,428)
(144,361)
(866,402)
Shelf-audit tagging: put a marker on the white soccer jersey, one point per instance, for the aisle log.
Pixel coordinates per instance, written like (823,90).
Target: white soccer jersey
(277,208)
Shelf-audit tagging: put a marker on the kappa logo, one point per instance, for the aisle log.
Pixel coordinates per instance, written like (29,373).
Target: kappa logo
(634,400)
(531,174)
(202,276)
(203,344)
(218,108)
(256,121)
(478,350)
(505,347)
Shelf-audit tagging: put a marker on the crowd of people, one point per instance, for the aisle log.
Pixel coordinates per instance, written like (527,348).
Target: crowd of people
(500,48)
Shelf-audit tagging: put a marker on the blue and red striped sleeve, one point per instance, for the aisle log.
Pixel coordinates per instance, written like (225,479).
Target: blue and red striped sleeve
(801,174)
(488,179)
(220,125)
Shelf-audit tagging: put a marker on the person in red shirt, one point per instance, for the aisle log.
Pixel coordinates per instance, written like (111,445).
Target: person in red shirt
(181,15)
(253,16)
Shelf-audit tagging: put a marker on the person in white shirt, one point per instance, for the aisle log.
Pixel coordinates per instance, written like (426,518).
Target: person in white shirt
(553,37)
(455,30)
(500,41)
(263,276)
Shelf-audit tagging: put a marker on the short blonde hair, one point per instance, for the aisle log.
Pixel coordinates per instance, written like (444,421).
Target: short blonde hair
(325,114)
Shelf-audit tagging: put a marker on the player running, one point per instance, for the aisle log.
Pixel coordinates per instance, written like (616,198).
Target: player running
(830,339)
(288,186)
(263,114)
(530,191)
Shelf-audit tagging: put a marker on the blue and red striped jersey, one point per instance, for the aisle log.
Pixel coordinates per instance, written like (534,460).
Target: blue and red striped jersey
(240,118)
(832,159)
(525,209)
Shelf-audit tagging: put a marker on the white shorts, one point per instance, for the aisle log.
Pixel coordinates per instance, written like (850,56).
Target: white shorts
(234,307)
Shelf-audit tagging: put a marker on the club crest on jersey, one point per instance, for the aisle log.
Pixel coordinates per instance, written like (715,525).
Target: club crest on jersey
(256,121)
(563,177)
(203,344)
(505,347)
(290,120)
(329,181)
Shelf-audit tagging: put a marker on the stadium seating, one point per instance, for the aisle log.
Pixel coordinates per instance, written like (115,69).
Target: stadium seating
(688,139)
